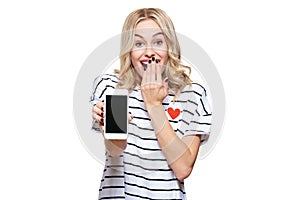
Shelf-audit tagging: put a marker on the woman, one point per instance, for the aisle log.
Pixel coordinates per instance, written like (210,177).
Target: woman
(169,114)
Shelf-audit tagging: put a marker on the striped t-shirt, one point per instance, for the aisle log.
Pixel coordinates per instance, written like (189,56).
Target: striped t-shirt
(142,171)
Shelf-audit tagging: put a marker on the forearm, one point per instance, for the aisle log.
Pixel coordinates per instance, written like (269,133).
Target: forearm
(178,153)
(115,147)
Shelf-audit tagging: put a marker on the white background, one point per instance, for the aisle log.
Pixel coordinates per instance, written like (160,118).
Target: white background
(254,45)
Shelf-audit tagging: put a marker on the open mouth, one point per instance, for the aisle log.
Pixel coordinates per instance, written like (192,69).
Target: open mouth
(144,64)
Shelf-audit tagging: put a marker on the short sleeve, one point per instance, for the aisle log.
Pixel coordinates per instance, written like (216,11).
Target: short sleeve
(101,85)
(199,113)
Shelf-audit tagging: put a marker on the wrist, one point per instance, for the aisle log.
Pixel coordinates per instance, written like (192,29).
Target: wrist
(149,106)
(158,117)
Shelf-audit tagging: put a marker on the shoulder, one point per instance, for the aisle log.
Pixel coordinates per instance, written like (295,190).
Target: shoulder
(107,78)
(102,84)
(196,90)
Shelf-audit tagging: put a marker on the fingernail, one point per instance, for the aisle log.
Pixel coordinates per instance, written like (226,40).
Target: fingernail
(101,120)
(102,108)
(157,61)
(149,61)
(166,79)
(101,115)
(153,58)
(102,101)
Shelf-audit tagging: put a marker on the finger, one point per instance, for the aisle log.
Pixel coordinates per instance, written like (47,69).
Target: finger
(97,110)
(149,78)
(148,73)
(152,73)
(102,129)
(158,73)
(102,115)
(97,117)
(130,117)
(144,78)
(100,104)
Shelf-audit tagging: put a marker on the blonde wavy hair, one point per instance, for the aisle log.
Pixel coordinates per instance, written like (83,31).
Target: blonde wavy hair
(175,70)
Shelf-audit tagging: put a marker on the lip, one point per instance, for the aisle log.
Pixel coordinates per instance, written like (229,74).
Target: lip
(145,60)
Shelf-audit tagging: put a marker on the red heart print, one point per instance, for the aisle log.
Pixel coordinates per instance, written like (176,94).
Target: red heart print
(173,113)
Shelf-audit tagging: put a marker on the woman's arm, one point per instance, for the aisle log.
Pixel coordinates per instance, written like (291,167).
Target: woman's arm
(115,147)
(180,153)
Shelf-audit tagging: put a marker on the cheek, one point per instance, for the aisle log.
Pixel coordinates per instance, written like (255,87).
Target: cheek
(135,57)
(163,54)
(132,57)
(135,60)
(164,57)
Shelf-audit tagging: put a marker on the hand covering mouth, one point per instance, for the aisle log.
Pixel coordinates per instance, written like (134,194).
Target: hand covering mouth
(145,63)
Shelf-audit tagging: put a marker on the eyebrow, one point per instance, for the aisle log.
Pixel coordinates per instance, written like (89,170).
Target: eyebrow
(159,33)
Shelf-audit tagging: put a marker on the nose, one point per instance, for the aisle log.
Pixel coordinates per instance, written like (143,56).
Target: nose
(149,52)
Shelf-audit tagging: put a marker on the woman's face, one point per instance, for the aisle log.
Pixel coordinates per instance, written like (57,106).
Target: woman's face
(149,41)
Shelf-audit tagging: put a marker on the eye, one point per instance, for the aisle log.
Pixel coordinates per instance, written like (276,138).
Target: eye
(139,44)
(158,42)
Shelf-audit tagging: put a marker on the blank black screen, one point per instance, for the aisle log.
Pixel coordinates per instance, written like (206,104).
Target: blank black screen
(116,114)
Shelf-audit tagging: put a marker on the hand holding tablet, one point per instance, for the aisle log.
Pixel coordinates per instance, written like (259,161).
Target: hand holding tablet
(112,115)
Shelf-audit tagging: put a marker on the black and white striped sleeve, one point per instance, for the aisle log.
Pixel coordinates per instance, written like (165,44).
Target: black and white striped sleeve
(200,122)
(101,85)
(98,87)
